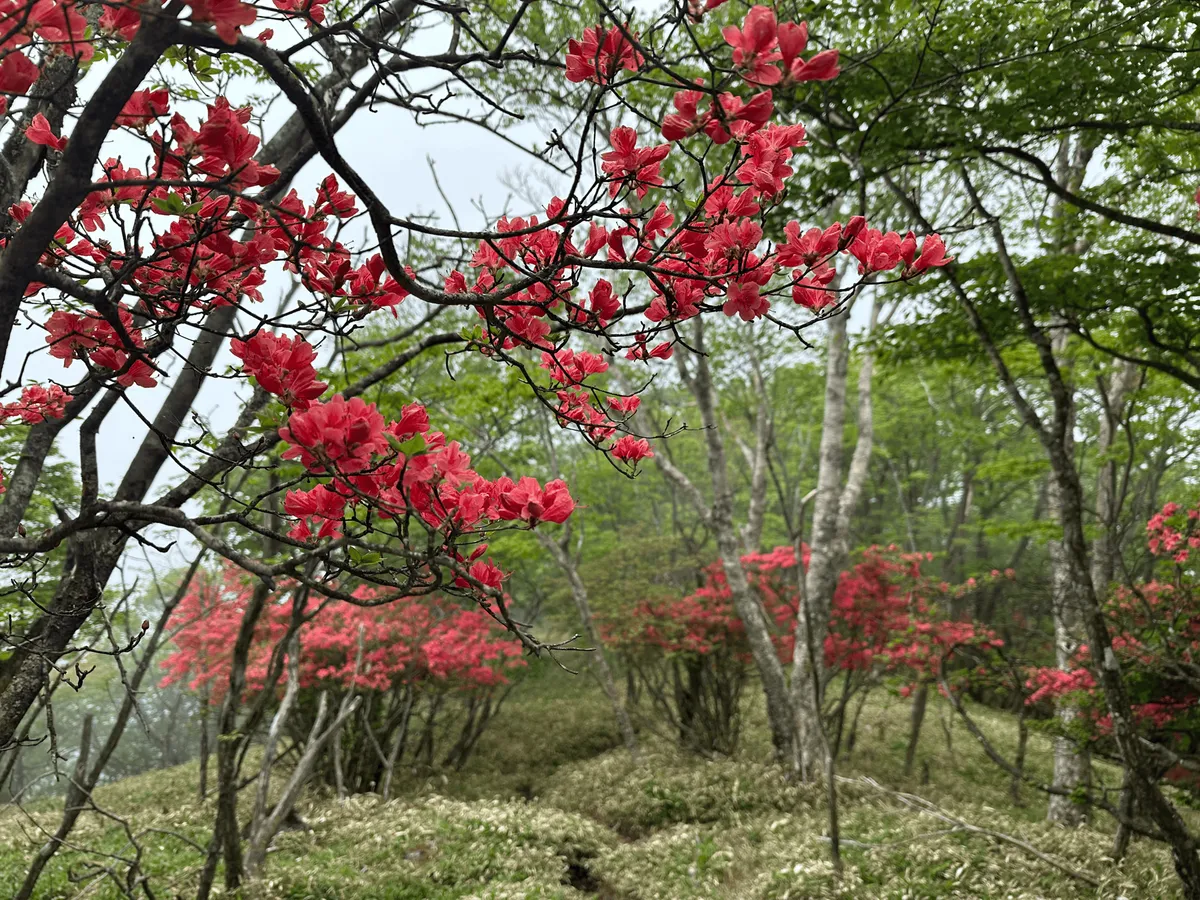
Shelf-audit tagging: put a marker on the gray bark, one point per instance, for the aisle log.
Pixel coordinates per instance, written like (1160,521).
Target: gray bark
(260,840)
(829,537)
(1051,430)
(771,673)
(1105,546)
(278,721)
(1072,764)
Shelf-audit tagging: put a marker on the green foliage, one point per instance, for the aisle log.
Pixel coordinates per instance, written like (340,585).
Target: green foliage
(434,848)
(672,788)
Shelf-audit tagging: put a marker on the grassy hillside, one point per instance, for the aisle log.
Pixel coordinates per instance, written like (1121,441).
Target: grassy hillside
(550,808)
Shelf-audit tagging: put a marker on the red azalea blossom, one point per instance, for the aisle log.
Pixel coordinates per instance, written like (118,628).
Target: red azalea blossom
(628,164)
(599,60)
(321,507)
(143,107)
(341,433)
(754,45)
(631,449)
(37,404)
(229,16)
(281,366)
(528,501)
(39,132)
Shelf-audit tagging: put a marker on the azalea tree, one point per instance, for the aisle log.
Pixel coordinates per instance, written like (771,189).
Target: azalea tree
(888,622)
(414,662)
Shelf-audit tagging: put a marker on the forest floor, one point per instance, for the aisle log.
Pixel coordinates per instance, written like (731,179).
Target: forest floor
(549,807)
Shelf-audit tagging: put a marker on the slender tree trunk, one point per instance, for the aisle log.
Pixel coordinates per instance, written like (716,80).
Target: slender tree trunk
(829,537)
(852,737)
(916,719)
(260,839)
(1014,785)
(339,779)
(745,602)
(1052,432)
(226,841)
(1072,765)
(278,722)
(1104,547)
(953,568)
(1054,435)
(599,659)
(398,742)
(1123,834)
(1072,762)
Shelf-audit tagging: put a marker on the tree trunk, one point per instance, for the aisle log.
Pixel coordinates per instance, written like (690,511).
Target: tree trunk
(1125,808)
(829,537)
(1014,785)
(260,840)
(1104,547)
(916,719)
(226,841)
(1072,762)
(1052,431)
(398,742)
(278,722)
(599,659)
(747,605)
(1055,437)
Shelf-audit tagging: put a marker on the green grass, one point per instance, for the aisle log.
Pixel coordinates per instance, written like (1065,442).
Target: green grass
(550,807)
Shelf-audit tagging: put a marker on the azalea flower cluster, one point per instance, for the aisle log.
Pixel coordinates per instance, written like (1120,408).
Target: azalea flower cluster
(1155,635)
(568,369)
(704,622)
(91,337)
(46,28)
(389,468)
(527,278)
(884,615)
(37,404)
(1051,683)
(765,52)
(1174,532)
(415,641)
(1077,687)
(195,262)
(717,254)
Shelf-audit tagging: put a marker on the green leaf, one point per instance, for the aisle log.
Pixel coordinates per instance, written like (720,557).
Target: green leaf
(174,205)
